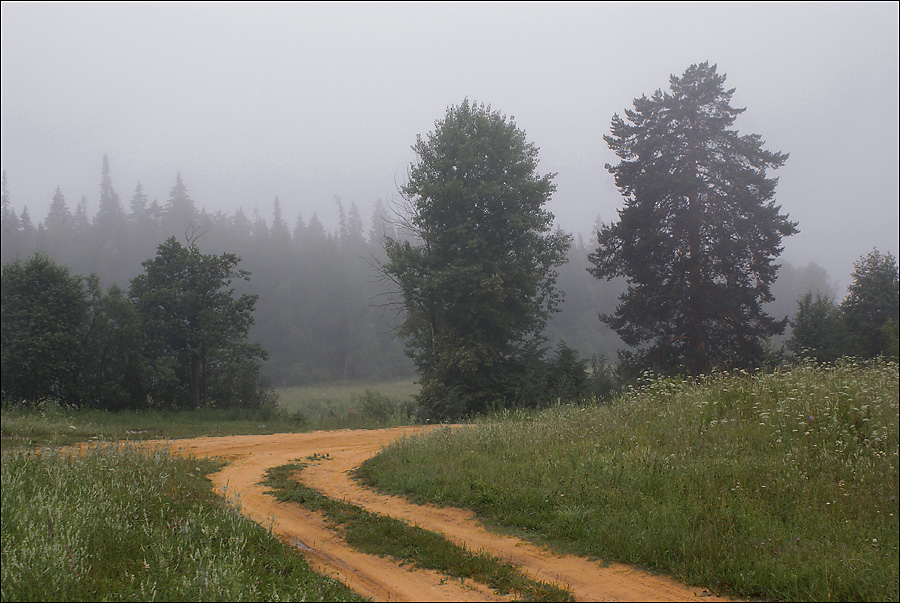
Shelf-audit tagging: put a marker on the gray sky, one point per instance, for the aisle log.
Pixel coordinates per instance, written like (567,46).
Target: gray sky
(311,100)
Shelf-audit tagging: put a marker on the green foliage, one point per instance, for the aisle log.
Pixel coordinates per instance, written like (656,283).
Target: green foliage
(778,486)
(863,325)
(699,232)
(873,304)
(44,317)
(477,273)
(119,523)
(181,342)
(818,330)
(196,329)
(567,376)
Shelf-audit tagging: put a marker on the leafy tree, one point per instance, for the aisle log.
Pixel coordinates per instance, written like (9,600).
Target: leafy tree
(44,310)
(477,276)
(196,329)
(872,306)
(699,232)
(113,373)
(817,329)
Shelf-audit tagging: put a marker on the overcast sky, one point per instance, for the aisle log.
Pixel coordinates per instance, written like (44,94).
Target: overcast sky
(249,101)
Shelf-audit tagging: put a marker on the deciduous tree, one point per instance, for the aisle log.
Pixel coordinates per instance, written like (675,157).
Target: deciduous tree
(476,263)
(196,328)
(872,306)
(44,309)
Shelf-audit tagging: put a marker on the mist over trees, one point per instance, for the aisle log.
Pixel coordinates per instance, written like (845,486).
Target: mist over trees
(864,324)
(687,277)
(178,340)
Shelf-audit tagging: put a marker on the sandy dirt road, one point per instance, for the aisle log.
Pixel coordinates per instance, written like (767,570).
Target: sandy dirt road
(379,577)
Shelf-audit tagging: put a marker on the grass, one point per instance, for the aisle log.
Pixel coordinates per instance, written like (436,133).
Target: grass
(380,535)
(782,486)
(335,406)
(51,425)
(118,523)
(352,405)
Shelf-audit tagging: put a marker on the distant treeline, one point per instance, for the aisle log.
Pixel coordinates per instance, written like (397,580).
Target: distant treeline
(323,313)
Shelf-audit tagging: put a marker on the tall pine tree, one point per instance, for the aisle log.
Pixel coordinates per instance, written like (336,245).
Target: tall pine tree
(699,231)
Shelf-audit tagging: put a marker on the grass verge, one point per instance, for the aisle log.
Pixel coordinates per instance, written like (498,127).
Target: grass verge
(380,535)
(327,406)
(782,486)
(51,425)
(120,523)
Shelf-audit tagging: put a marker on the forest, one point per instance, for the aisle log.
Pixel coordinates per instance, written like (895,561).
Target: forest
(463,279)
(322,313)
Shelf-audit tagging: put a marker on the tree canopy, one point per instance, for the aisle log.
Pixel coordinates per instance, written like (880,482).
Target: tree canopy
(196,328)
(44,313)
(872,306)
(476,269)
(699,231)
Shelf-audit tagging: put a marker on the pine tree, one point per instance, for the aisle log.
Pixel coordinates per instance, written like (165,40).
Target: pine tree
(110,215)
(699,232)
(180,212)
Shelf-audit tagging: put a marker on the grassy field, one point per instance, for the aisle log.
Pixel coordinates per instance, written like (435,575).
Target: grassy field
(781,486)
(332,406)
(351,405)
(117,524)
(51,425)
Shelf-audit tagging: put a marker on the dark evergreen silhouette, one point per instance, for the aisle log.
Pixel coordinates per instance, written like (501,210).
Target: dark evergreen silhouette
(699,232)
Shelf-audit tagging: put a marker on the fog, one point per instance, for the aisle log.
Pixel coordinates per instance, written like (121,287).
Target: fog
(310,101)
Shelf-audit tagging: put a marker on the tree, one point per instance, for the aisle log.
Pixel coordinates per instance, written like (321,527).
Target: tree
(196,329)
(872,306)
(179,211)
(818,329)
(477,271)
(113,371)
(44,309)
(699,231)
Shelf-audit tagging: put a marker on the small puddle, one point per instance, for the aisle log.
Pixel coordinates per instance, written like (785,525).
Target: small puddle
(299,544)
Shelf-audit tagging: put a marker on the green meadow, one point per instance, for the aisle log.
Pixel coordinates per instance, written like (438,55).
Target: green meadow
(781,486)
(776,486)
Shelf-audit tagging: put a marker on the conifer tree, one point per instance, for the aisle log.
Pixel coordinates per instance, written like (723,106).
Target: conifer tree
(699,232)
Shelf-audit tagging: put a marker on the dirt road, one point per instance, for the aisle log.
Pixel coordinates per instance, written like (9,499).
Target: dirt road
(381,578)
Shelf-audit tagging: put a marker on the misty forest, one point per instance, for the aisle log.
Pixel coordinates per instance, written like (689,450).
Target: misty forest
(461,280)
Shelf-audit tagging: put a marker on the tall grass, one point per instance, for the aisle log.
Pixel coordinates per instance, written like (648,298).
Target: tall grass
(782,486)
(118,523)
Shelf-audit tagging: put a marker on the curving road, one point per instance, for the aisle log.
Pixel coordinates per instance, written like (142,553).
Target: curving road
(381,578)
